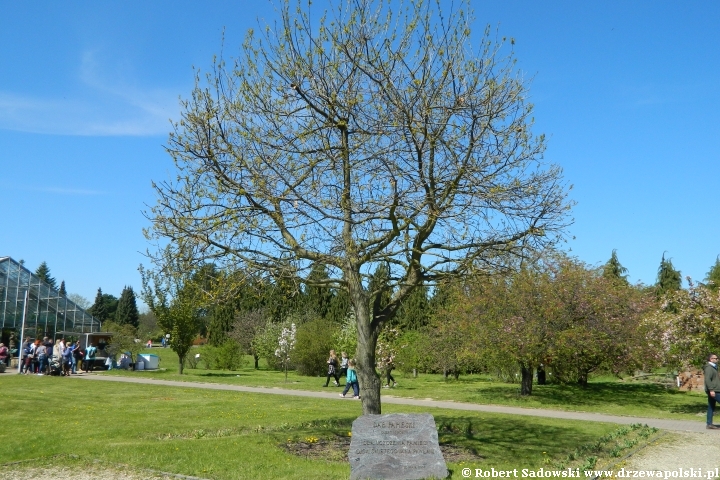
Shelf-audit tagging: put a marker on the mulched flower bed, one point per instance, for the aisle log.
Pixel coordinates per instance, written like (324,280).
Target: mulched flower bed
(336,450)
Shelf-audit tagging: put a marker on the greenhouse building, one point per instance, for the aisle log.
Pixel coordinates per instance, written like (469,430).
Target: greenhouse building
(46,313)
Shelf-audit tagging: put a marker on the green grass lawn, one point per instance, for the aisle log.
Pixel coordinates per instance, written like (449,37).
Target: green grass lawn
(235,435)
(603,394)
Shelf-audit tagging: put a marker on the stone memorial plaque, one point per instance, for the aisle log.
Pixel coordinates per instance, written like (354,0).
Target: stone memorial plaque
(399,446)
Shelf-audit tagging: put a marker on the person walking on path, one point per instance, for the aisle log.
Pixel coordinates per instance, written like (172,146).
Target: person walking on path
(389,367)
(351,381)
(343,365)
(332,369)
(712,388)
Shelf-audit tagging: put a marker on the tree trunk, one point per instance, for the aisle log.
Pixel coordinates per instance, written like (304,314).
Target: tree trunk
(414,372)
(583,380)
(366,343)
(368,377)
(257,367)
(526,380)
(181,361)
(456,374)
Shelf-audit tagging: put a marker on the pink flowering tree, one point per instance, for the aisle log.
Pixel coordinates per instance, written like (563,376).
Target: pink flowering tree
(556,311)
(386,350)
(688,325)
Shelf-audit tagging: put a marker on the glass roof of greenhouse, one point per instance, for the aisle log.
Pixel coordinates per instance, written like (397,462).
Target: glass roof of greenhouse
(48,312)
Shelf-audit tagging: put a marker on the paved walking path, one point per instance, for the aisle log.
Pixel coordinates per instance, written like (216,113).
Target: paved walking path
(674,425)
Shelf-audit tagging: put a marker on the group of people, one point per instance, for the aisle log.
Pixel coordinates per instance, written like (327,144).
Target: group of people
(339,367)
(41,357)
(163,343)
(345,366)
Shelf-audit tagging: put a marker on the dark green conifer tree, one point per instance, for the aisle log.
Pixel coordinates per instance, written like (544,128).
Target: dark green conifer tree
(43,271)
(98,309)
(413,313)
(249,295)
(440,296)
(614,270)
(282,296)
(339,306)
(62,291)
(111,304)
(713,276)
(668,279)
(318,298)
(221,322)
(127,312)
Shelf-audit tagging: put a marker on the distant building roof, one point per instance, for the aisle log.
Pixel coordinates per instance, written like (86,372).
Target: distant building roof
(48,312)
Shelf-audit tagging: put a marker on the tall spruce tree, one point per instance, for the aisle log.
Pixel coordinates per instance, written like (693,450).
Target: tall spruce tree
(281,296)
(713,276)
(339,306)
(614,270)
(317,297)
(669,279)
(98,309)
(221,322)
(43,271)
(441,296)
(111,304)
(127,312)
(413,313)
(249,294)
(62,291)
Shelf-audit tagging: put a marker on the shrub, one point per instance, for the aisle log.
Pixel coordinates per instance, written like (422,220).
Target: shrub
(413,352)
(313,342)
(123,339)
(227,356)
(191,360)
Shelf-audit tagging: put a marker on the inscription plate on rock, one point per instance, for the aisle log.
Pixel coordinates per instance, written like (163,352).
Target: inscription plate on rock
(398,446)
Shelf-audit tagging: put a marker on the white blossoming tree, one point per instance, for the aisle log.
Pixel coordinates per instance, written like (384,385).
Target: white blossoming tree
(286,344)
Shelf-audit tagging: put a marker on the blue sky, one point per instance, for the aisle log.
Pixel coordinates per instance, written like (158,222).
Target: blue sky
(627,93)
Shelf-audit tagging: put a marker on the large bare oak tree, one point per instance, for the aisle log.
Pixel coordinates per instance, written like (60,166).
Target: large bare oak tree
(374,133)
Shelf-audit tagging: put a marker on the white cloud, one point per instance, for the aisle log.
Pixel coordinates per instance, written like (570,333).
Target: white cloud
(102,107)
(58,190)
(68,191)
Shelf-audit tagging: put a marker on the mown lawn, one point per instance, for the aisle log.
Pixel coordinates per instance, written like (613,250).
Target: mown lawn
(603,394)
(235,435)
